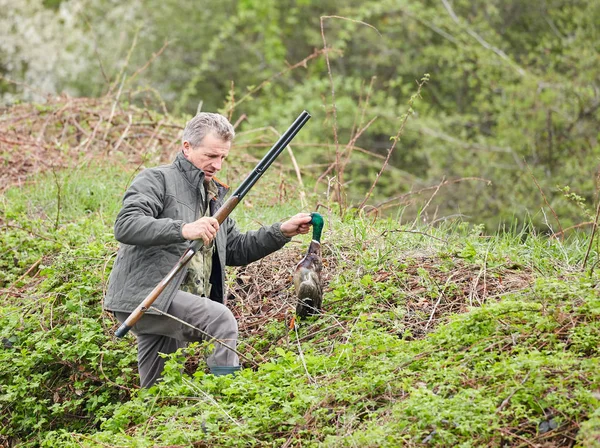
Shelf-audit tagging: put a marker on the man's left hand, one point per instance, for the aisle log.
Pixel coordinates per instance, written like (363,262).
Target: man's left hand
(296,225)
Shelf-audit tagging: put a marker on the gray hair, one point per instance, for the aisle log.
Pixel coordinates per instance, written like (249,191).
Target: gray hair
(203,124)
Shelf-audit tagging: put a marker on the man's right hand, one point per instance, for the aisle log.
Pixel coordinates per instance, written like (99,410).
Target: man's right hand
(203,229)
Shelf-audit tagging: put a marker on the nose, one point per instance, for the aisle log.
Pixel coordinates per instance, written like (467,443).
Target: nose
(217,164)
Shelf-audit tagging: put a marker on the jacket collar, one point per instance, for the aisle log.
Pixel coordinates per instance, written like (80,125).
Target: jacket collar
(195,176)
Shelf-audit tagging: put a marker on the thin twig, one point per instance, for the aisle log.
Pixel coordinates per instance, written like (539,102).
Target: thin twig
(482,41)
(576,226)
(231,101)
(414,231)
(95,39)
(294,163)
(437,188)
(14,226)
(470,145)
(544,197)
(396,139)
(121,75)
(211,399)
(516,389)
(473,291)
(310,378)
(92,136)
(21,143)
(239,120)
(205,334)
(50,116)
(120,386)
(31,268)
(58,199)
(589,248)
(267,81)
(350,145)
(124,134)
(150,61)
(22,84)
(334,108)
(112,110)
(311,145)
(347,150)
(527,442)
(338,155)
(441,295)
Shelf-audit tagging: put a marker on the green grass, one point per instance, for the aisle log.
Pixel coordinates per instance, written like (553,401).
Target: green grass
(511,351)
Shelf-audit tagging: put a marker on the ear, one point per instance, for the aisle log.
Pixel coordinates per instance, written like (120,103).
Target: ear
(186,148)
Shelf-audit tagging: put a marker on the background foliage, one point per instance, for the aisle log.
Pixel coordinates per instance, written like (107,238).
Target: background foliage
(513,91)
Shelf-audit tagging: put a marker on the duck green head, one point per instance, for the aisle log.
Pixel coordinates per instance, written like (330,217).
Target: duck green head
(317,223)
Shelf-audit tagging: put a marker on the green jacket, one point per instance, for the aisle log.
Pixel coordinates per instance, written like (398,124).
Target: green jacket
(155,207)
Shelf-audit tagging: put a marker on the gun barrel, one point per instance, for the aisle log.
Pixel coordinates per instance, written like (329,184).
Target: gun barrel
(273,153)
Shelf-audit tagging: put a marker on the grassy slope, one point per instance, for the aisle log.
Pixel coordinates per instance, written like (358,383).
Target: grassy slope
(429,337)
(363,374)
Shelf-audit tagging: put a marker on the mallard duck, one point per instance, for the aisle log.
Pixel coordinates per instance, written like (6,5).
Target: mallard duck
(307,275)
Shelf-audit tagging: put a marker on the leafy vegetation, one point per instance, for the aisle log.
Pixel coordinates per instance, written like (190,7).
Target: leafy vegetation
(431,335)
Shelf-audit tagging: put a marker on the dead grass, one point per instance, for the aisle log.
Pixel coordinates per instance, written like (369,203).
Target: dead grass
(428,291)
(66,132)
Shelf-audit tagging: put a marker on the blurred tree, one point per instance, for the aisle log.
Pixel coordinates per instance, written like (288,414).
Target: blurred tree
(513,90)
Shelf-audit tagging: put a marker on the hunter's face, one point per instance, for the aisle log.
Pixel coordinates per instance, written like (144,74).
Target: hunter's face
(209,155)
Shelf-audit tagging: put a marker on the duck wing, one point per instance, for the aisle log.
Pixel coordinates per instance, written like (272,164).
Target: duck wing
(309,291)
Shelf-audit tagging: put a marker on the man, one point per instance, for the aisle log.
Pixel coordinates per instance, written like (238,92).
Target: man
(164,209)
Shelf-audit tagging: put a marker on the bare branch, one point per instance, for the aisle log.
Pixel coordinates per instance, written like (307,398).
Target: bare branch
(396,139)
(482,41)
